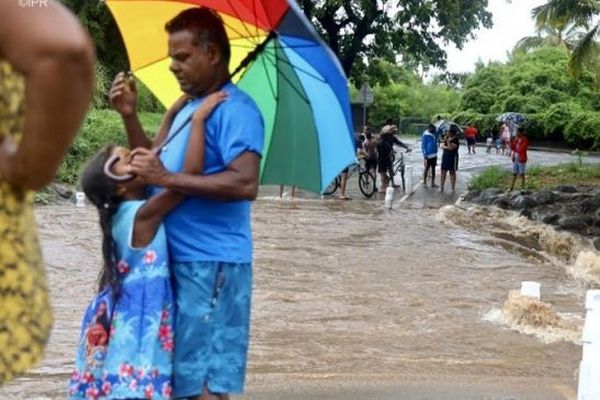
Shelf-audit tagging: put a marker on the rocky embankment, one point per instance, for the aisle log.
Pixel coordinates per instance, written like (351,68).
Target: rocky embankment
(571,208)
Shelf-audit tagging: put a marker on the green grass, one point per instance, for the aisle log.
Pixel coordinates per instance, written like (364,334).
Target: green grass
(538,177)
(492,177)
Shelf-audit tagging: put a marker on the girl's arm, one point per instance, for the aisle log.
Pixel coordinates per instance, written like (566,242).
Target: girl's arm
(151,214)
(165,125)
(452,145)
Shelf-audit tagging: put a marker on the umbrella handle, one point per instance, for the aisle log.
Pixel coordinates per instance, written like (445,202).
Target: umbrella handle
(253,54)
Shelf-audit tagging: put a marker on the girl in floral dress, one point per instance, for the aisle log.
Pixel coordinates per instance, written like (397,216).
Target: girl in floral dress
(126,343)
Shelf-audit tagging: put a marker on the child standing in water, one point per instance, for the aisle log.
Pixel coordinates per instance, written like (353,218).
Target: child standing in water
(126,343)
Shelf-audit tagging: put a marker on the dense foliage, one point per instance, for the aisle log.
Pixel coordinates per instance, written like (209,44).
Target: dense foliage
(536,84)
(400,94)
(359,30)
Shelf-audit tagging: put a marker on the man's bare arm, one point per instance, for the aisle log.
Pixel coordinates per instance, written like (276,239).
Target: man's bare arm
(238,182)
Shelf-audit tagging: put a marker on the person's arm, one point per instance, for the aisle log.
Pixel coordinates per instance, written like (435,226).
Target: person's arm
(167,120)
(239,181)
(48,46)
(240,141)
(452,145)
(123,98)
(397,141)
(151,214)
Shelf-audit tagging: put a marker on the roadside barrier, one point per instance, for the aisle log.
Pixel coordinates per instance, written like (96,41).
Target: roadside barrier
(589,368)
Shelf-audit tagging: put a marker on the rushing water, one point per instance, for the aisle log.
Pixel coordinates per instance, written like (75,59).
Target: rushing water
(351,291)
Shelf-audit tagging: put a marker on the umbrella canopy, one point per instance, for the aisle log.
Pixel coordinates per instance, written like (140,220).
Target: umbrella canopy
(513,117)
(294,78)
(443,125)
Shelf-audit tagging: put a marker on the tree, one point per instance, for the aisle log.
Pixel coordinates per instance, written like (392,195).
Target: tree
(566,37)
(538,85)
(359,30)
(454,80)
(560,13)
(98,20)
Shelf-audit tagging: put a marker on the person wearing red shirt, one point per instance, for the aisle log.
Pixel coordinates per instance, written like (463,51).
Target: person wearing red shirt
(471,135)
(519,149)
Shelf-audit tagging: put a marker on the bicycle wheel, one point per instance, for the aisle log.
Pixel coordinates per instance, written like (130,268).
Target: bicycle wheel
(366,183)
(403,181)
(333,186)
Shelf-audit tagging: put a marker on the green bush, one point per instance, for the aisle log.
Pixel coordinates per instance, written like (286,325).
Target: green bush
(555,119)
(99,128)
(146,101)
(102,84)
(583,130)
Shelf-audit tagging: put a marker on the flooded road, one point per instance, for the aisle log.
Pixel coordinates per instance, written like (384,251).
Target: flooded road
(355,301)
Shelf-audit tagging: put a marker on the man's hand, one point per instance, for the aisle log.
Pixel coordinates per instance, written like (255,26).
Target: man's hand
(146,164)
(123,95)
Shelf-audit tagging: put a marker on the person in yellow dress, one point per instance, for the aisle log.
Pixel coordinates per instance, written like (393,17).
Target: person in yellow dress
(46,75)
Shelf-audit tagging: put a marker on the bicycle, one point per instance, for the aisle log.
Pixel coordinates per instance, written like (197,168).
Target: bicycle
(366,180)
(398,165)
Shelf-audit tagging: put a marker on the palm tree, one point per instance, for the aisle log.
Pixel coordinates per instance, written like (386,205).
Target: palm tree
(559,14)
(566,37)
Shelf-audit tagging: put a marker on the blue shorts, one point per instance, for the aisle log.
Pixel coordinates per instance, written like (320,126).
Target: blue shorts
(518,168)
(212,327)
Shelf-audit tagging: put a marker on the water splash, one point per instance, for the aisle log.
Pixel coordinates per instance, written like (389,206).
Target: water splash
(534,317)
(535,241)
(586,267)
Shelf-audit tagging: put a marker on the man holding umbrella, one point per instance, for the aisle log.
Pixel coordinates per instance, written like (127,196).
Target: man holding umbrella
(209,234)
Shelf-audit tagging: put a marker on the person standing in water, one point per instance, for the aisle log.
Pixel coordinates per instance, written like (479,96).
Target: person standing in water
(519,157)
(209,234)
(450,158)
(126,343)
(429,148)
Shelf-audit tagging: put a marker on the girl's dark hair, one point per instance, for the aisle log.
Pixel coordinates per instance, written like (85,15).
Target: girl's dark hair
(101,192)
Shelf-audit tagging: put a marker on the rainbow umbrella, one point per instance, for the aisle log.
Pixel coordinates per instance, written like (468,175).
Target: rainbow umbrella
(280,61)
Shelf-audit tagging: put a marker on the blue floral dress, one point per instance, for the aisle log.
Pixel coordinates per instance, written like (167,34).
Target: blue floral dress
(126,348)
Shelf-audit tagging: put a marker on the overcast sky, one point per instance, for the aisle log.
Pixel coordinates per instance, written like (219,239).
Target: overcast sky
(511,23)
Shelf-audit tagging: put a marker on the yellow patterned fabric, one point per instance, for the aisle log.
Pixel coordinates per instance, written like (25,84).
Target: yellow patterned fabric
(25,315)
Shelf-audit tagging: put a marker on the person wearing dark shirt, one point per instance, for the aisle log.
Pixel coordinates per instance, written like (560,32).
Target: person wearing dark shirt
(450,158)
(385,157)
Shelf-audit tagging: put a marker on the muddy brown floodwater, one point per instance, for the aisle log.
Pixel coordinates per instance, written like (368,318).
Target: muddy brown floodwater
(355,301)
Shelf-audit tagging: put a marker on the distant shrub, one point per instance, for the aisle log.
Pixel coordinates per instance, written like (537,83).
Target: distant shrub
(583,130)
(554,120)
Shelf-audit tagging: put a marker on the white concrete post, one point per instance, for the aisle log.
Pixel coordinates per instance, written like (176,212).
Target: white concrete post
(79,199)
(408,178)
(589,368)
(389,197)
(530,289)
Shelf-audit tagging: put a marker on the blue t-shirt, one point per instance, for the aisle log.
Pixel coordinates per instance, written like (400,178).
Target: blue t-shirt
(204,229)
